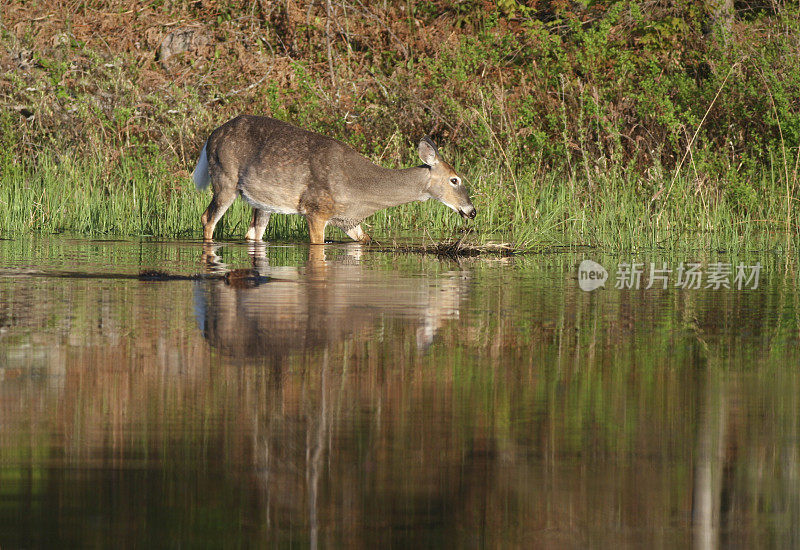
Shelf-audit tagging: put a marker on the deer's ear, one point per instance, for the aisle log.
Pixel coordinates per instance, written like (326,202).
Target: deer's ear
(427,151)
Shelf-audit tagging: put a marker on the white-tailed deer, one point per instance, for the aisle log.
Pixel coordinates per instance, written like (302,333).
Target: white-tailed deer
(280,168)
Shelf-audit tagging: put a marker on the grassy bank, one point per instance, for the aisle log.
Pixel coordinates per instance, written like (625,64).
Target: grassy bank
(602,125)
(142,198)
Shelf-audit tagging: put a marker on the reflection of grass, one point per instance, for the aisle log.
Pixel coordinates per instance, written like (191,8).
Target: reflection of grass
(537,397)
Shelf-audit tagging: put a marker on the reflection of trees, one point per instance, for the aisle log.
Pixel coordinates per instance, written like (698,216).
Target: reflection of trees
(707,484)
(604,418)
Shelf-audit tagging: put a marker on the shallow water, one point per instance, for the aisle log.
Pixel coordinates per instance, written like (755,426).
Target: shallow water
(367,399)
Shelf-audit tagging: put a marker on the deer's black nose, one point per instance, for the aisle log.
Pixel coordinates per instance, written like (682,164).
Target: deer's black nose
(468,212)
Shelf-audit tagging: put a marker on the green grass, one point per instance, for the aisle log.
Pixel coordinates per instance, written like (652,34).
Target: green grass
(138,196)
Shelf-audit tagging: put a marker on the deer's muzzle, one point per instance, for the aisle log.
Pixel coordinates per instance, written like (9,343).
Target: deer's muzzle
(468,212)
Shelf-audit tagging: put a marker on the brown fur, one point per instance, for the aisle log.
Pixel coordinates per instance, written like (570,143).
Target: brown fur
(281,168)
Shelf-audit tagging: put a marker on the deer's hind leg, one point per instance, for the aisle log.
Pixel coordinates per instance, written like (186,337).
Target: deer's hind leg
(219,204)
(225,192)
(258,225)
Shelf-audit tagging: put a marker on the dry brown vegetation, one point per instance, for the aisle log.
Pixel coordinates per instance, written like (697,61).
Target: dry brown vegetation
(609,82)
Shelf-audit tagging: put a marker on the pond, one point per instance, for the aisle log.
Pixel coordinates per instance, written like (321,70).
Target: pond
(338,396)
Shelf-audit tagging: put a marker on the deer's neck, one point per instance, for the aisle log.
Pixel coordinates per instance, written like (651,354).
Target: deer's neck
(394,187)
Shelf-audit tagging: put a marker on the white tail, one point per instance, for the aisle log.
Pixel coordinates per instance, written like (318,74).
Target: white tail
(200,175)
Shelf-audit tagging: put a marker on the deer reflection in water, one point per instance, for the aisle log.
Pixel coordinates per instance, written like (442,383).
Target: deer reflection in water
(270,312)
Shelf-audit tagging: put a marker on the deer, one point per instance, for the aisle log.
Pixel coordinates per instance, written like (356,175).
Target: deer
(279,168)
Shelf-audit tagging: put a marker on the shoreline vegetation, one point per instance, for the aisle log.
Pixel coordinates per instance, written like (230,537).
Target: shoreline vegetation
(612,125)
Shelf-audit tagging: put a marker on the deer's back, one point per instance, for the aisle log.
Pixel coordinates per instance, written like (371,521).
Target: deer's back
(280,167)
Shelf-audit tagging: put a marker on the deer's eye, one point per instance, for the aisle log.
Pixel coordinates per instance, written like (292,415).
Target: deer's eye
(454,182)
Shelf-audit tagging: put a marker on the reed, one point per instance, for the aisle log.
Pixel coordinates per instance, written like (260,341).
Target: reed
(138,196)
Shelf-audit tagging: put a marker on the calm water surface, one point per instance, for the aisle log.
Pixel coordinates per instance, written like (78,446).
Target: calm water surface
(361,399)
